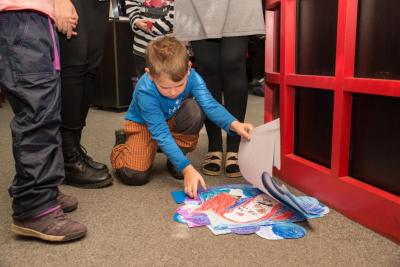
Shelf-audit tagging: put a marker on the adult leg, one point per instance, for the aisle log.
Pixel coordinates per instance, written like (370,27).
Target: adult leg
(208,61)
(233,58)
(208,55)
(96,18)
(29,77)
(140,64)
(74,62)
(80,169)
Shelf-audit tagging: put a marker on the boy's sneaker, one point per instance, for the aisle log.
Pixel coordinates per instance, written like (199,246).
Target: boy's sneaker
(120,137)
(172,171)
(68,203)
(53,227)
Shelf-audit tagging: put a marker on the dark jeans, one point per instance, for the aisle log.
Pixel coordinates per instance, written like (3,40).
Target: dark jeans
(32,85)
(222,64)
(80,58)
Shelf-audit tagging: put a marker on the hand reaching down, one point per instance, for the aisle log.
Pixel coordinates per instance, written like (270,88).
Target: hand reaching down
(191,180)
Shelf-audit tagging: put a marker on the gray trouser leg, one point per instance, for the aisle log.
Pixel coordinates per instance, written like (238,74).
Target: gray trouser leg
(190,118)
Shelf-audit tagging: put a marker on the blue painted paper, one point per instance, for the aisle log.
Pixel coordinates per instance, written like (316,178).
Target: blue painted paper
(178,218)
(178,196)
(288,230)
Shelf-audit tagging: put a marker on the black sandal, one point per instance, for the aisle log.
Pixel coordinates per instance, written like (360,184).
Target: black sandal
(212,163)
(232,169)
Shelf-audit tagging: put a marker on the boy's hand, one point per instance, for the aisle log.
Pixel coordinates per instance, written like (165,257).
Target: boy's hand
(242,129)
(191,180)
(142,24)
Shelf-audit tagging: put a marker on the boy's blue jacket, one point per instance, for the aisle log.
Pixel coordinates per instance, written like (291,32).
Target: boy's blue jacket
(149,107)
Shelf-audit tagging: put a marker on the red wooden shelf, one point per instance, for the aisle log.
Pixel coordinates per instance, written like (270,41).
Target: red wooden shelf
(367,204)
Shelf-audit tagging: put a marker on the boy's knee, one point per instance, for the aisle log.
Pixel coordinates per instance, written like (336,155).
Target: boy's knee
(190,118)
(133,177)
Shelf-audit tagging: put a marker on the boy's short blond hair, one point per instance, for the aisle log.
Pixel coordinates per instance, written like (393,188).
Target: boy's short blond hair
(169,56)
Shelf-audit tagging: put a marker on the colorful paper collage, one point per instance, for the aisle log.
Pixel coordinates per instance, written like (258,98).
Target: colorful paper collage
(264,206)
(244,209)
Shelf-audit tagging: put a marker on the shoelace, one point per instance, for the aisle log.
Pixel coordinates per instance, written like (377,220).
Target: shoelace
(83,153)
(59,215)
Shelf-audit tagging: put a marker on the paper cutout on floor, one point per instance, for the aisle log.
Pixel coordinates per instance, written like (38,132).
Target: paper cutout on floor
(265,207)
(281,231)
(256,160)
(244,209)
(179,196)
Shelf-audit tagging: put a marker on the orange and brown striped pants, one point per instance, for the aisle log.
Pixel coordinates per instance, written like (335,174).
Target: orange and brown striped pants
(139,150)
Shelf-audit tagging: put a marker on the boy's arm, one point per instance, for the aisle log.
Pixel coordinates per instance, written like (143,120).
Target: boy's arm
(212,109)
(163,25)
(133,12)
(154,118)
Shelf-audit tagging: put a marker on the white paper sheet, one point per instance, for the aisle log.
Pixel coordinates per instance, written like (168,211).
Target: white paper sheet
(261,153)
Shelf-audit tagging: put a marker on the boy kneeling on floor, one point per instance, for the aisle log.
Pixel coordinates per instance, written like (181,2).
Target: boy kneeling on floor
(167,111)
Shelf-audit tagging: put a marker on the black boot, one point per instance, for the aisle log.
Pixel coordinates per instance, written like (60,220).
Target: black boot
(120,137)
(173,172)
(171,169)
(93,164)
(77,170)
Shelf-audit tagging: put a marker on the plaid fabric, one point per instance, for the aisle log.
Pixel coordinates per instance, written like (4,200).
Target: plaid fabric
(139,150)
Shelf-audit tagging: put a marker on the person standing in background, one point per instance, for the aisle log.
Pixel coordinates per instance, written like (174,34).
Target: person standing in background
(149,19)
(29,74)
(81,55)
(219,33)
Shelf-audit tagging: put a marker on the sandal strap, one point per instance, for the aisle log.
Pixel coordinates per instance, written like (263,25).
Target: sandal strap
(231,158)
(213,157)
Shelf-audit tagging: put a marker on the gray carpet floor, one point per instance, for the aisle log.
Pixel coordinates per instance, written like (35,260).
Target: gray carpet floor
(133,226)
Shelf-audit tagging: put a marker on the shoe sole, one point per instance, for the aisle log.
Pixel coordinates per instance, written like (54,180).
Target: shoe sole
(70,208)
(22,231)
(233,175)
(210,173)
(104,183)
(175,179)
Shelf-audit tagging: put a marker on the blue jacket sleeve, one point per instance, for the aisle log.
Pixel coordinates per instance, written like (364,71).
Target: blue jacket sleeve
(154,118)
(212,109)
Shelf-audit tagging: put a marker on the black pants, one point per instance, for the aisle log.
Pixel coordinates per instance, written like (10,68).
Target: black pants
(140,64)
(222,64)
(32,85)
(80,58)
